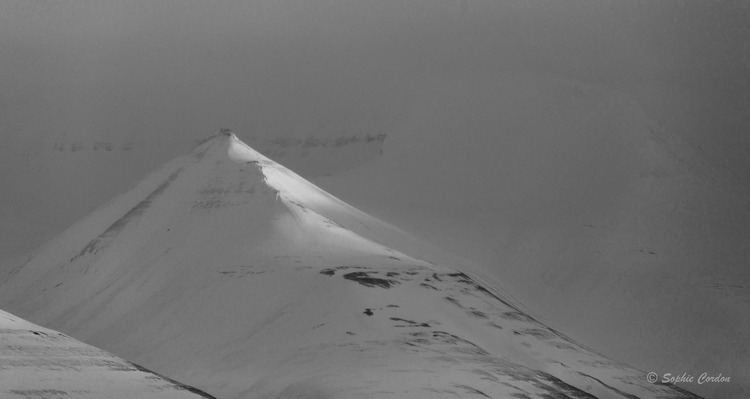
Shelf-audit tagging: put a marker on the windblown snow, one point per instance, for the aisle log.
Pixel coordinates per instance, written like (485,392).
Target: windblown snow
(231,273)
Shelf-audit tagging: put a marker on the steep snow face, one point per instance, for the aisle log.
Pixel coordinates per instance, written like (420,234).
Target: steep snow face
(36,362)
(230,272)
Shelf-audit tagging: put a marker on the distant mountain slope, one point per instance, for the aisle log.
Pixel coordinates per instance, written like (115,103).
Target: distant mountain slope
(585,206)
(36,362)
(228,271)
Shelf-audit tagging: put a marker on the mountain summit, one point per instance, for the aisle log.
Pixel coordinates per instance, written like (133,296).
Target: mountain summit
(231,273)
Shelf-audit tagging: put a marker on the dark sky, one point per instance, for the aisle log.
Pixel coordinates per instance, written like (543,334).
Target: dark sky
(170,68)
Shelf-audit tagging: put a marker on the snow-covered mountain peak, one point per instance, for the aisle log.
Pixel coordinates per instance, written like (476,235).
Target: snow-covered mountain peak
(225,144)
(229,272)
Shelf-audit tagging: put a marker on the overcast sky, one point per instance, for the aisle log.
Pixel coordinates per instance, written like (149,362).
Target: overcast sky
(145,68)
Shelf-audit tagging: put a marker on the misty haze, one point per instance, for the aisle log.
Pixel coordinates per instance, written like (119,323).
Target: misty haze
(357,199)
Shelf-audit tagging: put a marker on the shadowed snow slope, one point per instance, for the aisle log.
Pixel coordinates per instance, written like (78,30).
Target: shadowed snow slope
(36,362)
(226,270)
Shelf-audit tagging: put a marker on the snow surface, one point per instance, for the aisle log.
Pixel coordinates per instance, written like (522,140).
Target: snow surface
(36,362)
(228,271)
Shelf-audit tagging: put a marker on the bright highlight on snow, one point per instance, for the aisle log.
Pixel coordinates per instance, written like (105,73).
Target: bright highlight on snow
(228,272)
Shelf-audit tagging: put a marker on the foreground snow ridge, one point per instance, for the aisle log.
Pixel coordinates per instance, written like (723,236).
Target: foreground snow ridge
(36,362)
(229,272)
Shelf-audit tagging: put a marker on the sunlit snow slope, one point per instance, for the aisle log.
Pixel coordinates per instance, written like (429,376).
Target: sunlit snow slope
(36,362)
(229,272)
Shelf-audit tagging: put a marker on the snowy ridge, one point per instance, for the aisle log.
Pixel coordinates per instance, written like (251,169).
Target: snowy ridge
(228,271)
(36,362)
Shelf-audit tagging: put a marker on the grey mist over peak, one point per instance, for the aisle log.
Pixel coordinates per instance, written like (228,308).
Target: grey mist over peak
(228,271)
